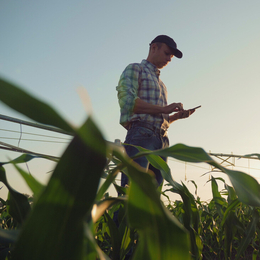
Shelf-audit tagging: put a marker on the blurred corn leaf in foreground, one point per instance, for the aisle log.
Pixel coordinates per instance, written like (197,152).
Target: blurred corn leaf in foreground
(33,108)
(60,225)
(55,229)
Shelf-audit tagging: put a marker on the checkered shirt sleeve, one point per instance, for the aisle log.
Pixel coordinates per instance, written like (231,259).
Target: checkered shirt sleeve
(141,80)
(128,91)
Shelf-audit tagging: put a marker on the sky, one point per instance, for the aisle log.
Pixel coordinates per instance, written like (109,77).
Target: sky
(52,49)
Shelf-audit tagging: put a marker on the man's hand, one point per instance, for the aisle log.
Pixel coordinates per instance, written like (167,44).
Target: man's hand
(142,107)
(181,114)
(184,113)
(173,107)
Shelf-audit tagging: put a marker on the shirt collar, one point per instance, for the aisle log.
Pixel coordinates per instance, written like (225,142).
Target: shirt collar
(151,67)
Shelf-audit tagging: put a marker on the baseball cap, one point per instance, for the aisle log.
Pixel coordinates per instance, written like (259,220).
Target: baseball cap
(170,42)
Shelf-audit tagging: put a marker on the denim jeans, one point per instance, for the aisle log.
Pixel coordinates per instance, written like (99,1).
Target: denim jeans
(146,138)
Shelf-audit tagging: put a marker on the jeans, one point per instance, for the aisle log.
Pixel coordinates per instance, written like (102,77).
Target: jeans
(149,139)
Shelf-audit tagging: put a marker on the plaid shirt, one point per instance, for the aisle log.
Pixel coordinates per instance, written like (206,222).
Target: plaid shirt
(141,80)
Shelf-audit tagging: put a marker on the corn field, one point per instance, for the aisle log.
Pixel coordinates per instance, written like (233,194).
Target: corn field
(73,217)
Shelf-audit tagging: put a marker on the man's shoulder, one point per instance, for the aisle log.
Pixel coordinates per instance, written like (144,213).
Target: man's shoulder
(134,66)
(137,66)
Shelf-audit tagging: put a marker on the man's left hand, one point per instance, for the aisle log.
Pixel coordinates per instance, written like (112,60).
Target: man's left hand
(185,113)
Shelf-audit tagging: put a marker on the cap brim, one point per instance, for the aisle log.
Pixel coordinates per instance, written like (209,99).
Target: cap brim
(177,53)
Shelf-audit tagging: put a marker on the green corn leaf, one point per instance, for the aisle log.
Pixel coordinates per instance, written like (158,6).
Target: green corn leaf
(96,251)
(111,177)
(8,236)
(192,221)
(115,236)
(21,159)
(195,185)
(127,243)
(161,236)
(35,186)
(248,234)
(154,158)
(112,148)
(255,254)
(19,206)
(228,234)
(231,193)
(120,189)
(35,109)
(215,192)
(232,206)
(191,216)
(100,208)
(182,152)
(55,228)
(246,187)
(156,161)
(220,202)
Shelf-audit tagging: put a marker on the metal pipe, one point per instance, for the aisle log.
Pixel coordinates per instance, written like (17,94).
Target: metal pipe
(45,127)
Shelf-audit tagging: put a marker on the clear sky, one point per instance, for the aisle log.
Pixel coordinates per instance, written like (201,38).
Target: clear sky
(53,48)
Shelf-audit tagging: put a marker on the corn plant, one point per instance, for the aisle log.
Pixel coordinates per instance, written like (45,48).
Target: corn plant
(72,217)
(227,228)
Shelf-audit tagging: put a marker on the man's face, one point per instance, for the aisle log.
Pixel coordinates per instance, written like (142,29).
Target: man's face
(162,56)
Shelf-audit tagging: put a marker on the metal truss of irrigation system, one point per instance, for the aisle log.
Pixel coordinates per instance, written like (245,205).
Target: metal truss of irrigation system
(225,158)
(6,146)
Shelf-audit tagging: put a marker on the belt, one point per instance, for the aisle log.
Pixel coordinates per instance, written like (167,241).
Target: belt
(159,131)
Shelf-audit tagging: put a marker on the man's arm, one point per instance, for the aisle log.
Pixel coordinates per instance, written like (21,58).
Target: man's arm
(142,107)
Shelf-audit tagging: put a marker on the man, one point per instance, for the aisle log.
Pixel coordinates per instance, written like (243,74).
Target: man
(143,103)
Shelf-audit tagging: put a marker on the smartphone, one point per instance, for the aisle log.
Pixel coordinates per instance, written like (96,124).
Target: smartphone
(195,107)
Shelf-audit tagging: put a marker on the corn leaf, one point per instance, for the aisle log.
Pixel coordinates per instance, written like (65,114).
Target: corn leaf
(19,206)
(251,229)
(191,218)
(92,243)
(21,159)
(161,236)
(24,103)
(8,236)
(55,228)
(102,206)
(35,186)
(246,187)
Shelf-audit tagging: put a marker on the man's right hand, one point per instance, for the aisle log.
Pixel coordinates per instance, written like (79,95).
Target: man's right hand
(173,107)
(142,107)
